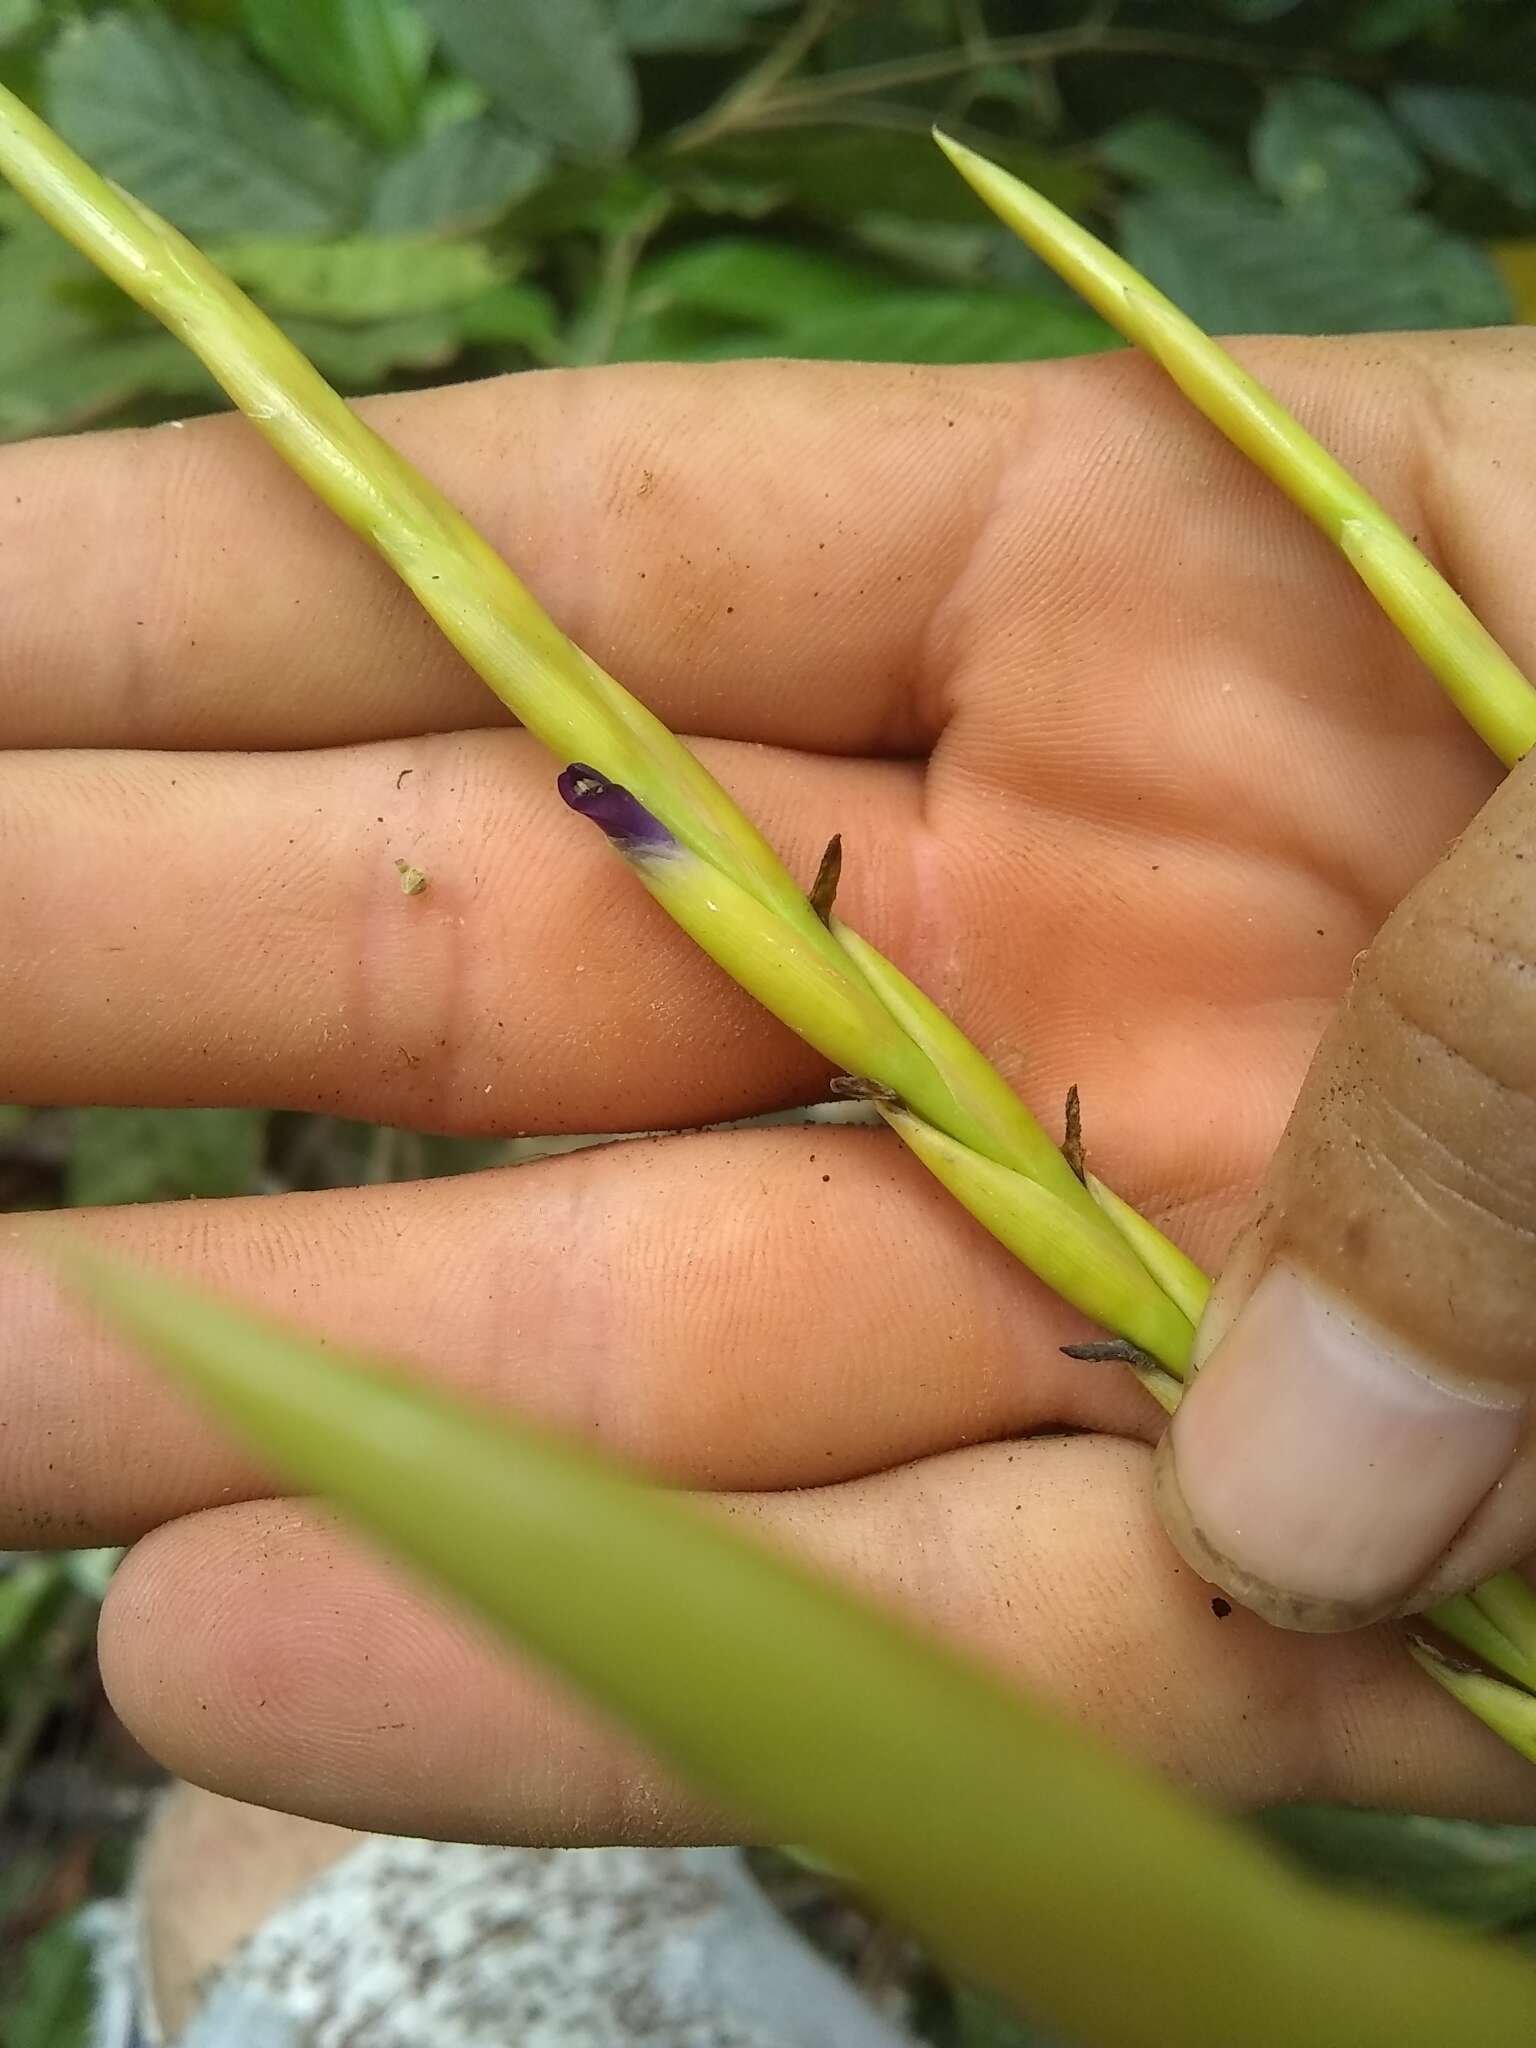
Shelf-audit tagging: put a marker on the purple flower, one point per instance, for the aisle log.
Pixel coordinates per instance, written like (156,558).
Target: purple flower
(632,828)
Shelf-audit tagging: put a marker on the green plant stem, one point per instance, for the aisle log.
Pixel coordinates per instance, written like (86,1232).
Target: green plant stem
(1032,1857)
(1476,674)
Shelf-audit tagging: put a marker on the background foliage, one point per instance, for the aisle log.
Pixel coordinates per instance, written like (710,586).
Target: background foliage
(429,189)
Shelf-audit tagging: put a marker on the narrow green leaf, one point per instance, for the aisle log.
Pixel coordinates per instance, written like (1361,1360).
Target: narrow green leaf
(151,1155)
(1030,1856)
(461,177)
(1321,145)
(559,72)
(362,279)
(367,58)
(1474,1872)
(198,131)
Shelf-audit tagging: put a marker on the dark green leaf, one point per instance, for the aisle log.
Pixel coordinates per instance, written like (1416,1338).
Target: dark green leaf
(1240,267)
(18,18)
(27,1587)
(514,313)
(980,2022)
(1490,134)
(1481,1874)
(1163,153)
(1383,24)
(1319,144)
(48,2004)
(651,25)
(364,279)
(587,199)
(898,326)
(755,282)
(461,177)
(58,367)
(1258,10)
(147,1155)
(362,358)
(368,58)
(196,130)
(837,172)
(559,71)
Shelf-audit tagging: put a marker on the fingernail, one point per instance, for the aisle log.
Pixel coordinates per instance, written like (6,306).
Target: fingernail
(1316,1469)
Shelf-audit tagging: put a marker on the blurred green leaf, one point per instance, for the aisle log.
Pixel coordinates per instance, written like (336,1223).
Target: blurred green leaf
(1258,10)
(461,177)
(58,369)
(48,2000)
(148,1155)
(1477,1873)
(1163,153)
(755,281)
(646,26)
(367,58)
(918,326)
(600,199)
(1492,135)
(1383,24)
(27,1588)
(1322,145)
(835,172)
(560,72)
(18,18)
(518,313)
(196,130)
(364,279)
(1240,267)
(980,2022)
(362,358)
(1030,1854)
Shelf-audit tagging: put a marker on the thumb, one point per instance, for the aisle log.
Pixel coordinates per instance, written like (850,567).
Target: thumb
(1358,1438)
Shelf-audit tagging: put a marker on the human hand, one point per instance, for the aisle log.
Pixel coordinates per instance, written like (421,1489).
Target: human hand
(1127,769)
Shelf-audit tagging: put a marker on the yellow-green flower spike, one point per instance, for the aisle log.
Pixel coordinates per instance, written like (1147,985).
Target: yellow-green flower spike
(1508,1710)
(1477,675)
(1174,1271)
(1105,1280)
(1497,1622)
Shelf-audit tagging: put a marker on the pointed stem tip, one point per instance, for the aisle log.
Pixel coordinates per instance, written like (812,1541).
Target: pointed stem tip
(634,830)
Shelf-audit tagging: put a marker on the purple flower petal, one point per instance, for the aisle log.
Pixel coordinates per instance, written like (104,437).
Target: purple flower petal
(631,827)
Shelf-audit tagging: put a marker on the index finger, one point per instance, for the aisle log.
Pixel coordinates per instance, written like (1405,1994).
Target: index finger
(755,549)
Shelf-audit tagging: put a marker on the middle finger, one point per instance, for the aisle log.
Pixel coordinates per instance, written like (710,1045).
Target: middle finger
(745,1309)
(224,929)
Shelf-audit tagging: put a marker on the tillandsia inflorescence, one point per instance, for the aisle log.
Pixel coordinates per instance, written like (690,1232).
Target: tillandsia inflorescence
(707,864)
